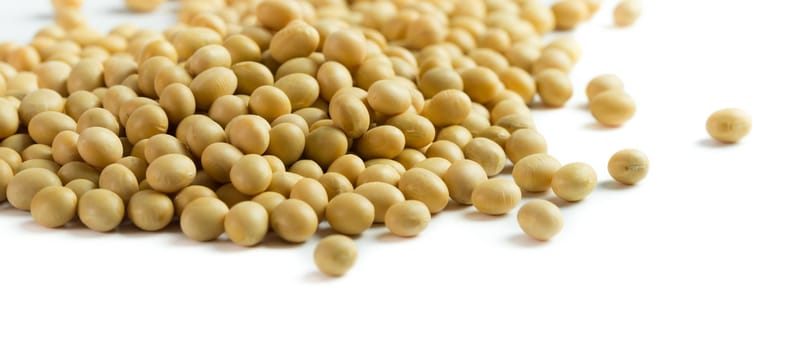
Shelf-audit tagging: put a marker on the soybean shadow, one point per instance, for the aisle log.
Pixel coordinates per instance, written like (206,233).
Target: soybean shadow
(318,277)
(710,143)
(613,185)
(522,240)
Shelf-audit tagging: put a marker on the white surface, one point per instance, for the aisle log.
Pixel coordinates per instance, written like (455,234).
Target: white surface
(695,257)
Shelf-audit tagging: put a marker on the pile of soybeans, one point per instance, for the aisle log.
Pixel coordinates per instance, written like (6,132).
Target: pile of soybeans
(265,117)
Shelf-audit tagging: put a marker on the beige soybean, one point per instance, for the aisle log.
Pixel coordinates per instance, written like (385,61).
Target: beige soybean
(382,196)
(150,210)
(448,107)
(307,168)
(188,40)
(86,75)
(390,162)
(173,75)
(294,119)
(296,39)
(388,97)
(524,142)
(117,69)
(481,84)
(418,130)
(161,144)
(304,65)
(335,255)
(45,125)
(269,200)
(287,142)
(552,58)
(275,14)
(37,151)
(226,108)
(40,163)
(136,165)
(496,196)
(22,84)
(456,134)
(462,177)
(145,122)
(251,75)
(211,84)
(350,213)
(294,220)
(11,157)
(218,160)
(119,179)
(346,47)
(6,174)
(170,173)
(81,101)
(487,153)
(325,144)
(333,76)
(439,79)
(554,87)
(311,191)
(425,186)
(409,157)
(335,184)
(242,48)
(98,117)
(627,12)
(9,119)
(269,102)
(445,149)
(569,13)
(81,186)
(206,57)
(349,165)
(612,108)
(540,219)
(203,179)
(38,101)
(519,81)
(17,143)
(101,210)
(251,174)
(59,4)
(99,147)
(178,102)
(603,83)
(350,114)
(283,182)
(188,194)
(383,141)
(198,132)
(729,125)
(247,223)
(302,89)
(628,166)
(436,165)
(249,133)
(78,170)
(143,5)
(148,71)
(203,219)
(574,181)
(408,218)
(534,173)
(53,206)
(378,173)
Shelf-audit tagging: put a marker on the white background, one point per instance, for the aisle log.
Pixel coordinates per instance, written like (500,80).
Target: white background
(695,257)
